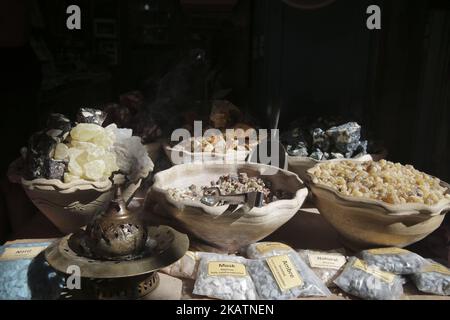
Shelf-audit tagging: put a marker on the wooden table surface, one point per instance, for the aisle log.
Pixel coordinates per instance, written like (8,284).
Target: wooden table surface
(306,230)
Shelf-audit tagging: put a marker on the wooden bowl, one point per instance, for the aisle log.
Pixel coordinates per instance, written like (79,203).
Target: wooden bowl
(226,227)
(366,223)
(69,206)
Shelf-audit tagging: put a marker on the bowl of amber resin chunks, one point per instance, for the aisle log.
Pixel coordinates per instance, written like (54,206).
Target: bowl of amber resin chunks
(374,204)
(66,169)
(300,165)
(257,200)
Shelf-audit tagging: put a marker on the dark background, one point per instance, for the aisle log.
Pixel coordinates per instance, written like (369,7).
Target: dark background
(264,56)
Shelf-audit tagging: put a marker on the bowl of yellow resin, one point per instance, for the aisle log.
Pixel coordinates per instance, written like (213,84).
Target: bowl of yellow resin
(88,157)
(366,222)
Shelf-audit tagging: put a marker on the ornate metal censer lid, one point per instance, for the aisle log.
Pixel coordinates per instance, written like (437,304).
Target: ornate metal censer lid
(117,254)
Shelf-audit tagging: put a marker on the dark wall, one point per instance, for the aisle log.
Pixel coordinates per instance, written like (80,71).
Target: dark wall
(409,103)
(47,68)
(316,61)
(324,60)
(394,81)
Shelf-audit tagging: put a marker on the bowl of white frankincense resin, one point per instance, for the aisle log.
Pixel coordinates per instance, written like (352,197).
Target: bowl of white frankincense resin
(373,204)
(66,169)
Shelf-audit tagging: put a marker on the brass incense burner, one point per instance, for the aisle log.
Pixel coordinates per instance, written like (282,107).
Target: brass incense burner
(115,234)
(117,254)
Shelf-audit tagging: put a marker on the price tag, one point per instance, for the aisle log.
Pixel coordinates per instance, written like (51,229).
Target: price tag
(224,268)
(382,275)
(269,246)
(284,272)
(326,261)
(392,250)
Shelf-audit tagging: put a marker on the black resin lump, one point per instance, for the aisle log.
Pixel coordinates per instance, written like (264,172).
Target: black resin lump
(317,154)
(34,167)
(321,142)
(58,127)
(41,144)
(299,149)
(89,115)
(41,148)
(54,169)
(346,137)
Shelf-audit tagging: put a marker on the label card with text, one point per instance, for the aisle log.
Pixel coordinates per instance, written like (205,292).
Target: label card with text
(392,250)
(269,246)
(284,272)
(17,253)
(226,268)
(382,275)
(326,261)
(435,267)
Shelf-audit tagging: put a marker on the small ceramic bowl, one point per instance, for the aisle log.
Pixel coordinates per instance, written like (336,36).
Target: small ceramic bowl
(181,156)
(366,223)
(225,227)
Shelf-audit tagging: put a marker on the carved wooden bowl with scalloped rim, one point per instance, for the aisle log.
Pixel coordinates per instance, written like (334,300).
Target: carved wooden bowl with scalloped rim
(225,227)
(69,206)
(366,223)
